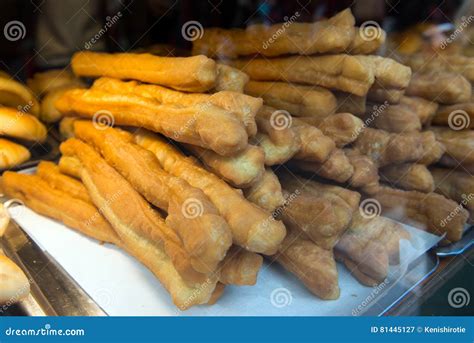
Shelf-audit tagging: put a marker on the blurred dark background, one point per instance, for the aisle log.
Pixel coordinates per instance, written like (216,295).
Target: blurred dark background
(49,31)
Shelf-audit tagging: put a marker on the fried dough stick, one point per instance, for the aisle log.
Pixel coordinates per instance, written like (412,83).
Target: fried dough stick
(369,246)
(51,173)
(442,87)
(341,72)
(314,266)
(386,148)
(245,107)
(459,144)
(205,125)
(331,35)
(241,170)
(319,211)
(455,185)
(266,192)
(300,101)
(42,198)
(205,235)
(135,222)
(190,74)
(427,211)
(408,176)
(276,136)
(315,146)
(230,79)
(252,227)
(84,217)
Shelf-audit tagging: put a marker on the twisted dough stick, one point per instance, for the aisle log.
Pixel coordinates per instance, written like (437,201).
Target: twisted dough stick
(315,146)
(205,125)
(276,137)
(230,79)
(191,74)
(71,166)
(241,170)
(205,234)
(130,215)
(245,107)
(78,214)
(50,172)
(84,217)
(252,228)
(266,192)
(408,176)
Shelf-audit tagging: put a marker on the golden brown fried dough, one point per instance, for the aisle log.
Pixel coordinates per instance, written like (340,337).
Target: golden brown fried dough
(342,72)
(427,211)
(387,148)
(393,118)
(15,284)
(442,87)
(50,173)
(367,40)
(191,74)
(315,146)
(240,267)
(300,101)
(135,222)
(244,107)
(16,95)
(230,79)
(314,266)
(12,154)
(321,212)
(78,214)
(266,191)
(240,170)
(252,227)
(18,124)
(365,175)
(350,103)
(459,144)
(204,233)
(205,125)
(342,128)
(423,108)
(332,35)
(455,185)
(459,116)
(276,137)
(432,148)
(389,74)
(44,82)
(337,167)
(408,176)
(70,166)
